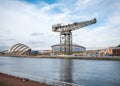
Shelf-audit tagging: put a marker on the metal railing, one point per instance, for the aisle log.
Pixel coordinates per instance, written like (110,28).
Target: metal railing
(45,80)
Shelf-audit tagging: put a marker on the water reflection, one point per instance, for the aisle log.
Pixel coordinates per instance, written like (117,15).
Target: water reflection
(66,70)
(83,72)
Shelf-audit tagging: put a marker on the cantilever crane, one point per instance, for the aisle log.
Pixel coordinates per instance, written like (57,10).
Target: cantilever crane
(66,34)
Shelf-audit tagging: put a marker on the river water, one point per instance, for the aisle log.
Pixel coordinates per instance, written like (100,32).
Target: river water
(83,72)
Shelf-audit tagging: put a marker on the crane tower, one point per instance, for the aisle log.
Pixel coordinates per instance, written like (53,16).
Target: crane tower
(66,34)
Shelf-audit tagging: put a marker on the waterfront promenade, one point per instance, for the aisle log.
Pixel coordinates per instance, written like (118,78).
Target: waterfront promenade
(8,80)
(70,57)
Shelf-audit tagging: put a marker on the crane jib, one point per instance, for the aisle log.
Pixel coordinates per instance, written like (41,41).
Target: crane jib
(71,27)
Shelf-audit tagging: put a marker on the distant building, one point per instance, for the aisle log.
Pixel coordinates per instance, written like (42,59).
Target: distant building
(75,48)
(5,52)
(104,52)
(45,52)
(115,51)
(19,49)
(92,52)
(111,51)
(34,52)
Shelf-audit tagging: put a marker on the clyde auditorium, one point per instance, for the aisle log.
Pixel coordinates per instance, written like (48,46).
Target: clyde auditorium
(75,48)
(19,49)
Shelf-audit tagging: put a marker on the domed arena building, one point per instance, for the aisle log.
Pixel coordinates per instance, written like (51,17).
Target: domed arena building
(19,49)
(75,48)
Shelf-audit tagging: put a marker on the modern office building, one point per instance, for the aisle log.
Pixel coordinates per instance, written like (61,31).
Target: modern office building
(19,49)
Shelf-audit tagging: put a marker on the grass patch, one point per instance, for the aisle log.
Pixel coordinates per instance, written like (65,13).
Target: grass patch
(1,84)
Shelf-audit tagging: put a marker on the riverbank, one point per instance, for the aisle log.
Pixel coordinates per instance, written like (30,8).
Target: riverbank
(70,57)
(8,80)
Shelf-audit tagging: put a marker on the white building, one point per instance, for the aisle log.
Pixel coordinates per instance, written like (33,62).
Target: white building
(19,49)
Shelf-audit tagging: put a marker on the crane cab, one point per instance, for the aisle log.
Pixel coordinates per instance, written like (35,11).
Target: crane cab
(55,27)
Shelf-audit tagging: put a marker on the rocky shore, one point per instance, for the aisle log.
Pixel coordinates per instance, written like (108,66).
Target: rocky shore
(8,80)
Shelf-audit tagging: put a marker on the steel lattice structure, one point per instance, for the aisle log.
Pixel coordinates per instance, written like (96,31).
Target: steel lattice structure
(66,34)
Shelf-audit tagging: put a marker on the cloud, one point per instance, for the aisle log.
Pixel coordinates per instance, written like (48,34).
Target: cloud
(36,42)
(2,48)
(37,34)
(101,37)
(5,43)
(38,45)
(30,24)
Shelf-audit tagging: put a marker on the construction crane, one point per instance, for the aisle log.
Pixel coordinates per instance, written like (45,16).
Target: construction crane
(66,34)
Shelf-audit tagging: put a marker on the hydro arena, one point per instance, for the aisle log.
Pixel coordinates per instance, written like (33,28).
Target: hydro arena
(75,48)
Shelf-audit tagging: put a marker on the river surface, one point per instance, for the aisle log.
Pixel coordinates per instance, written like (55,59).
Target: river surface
(82,72)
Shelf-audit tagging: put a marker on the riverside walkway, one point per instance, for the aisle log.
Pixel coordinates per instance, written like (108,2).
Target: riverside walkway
(8,80)
(70,57)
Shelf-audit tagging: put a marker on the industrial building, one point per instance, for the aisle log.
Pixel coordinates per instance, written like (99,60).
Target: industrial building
(19,49)
(75,48)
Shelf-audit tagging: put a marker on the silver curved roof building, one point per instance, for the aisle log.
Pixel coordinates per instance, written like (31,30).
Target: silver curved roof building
(75,48)
(19,49)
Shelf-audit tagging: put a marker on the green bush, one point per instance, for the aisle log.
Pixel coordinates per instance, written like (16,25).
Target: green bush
(1,84)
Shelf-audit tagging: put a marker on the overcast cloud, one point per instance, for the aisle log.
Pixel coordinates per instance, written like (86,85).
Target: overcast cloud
(30,24)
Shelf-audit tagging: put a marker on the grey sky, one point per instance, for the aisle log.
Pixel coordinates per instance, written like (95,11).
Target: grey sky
(30,24)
